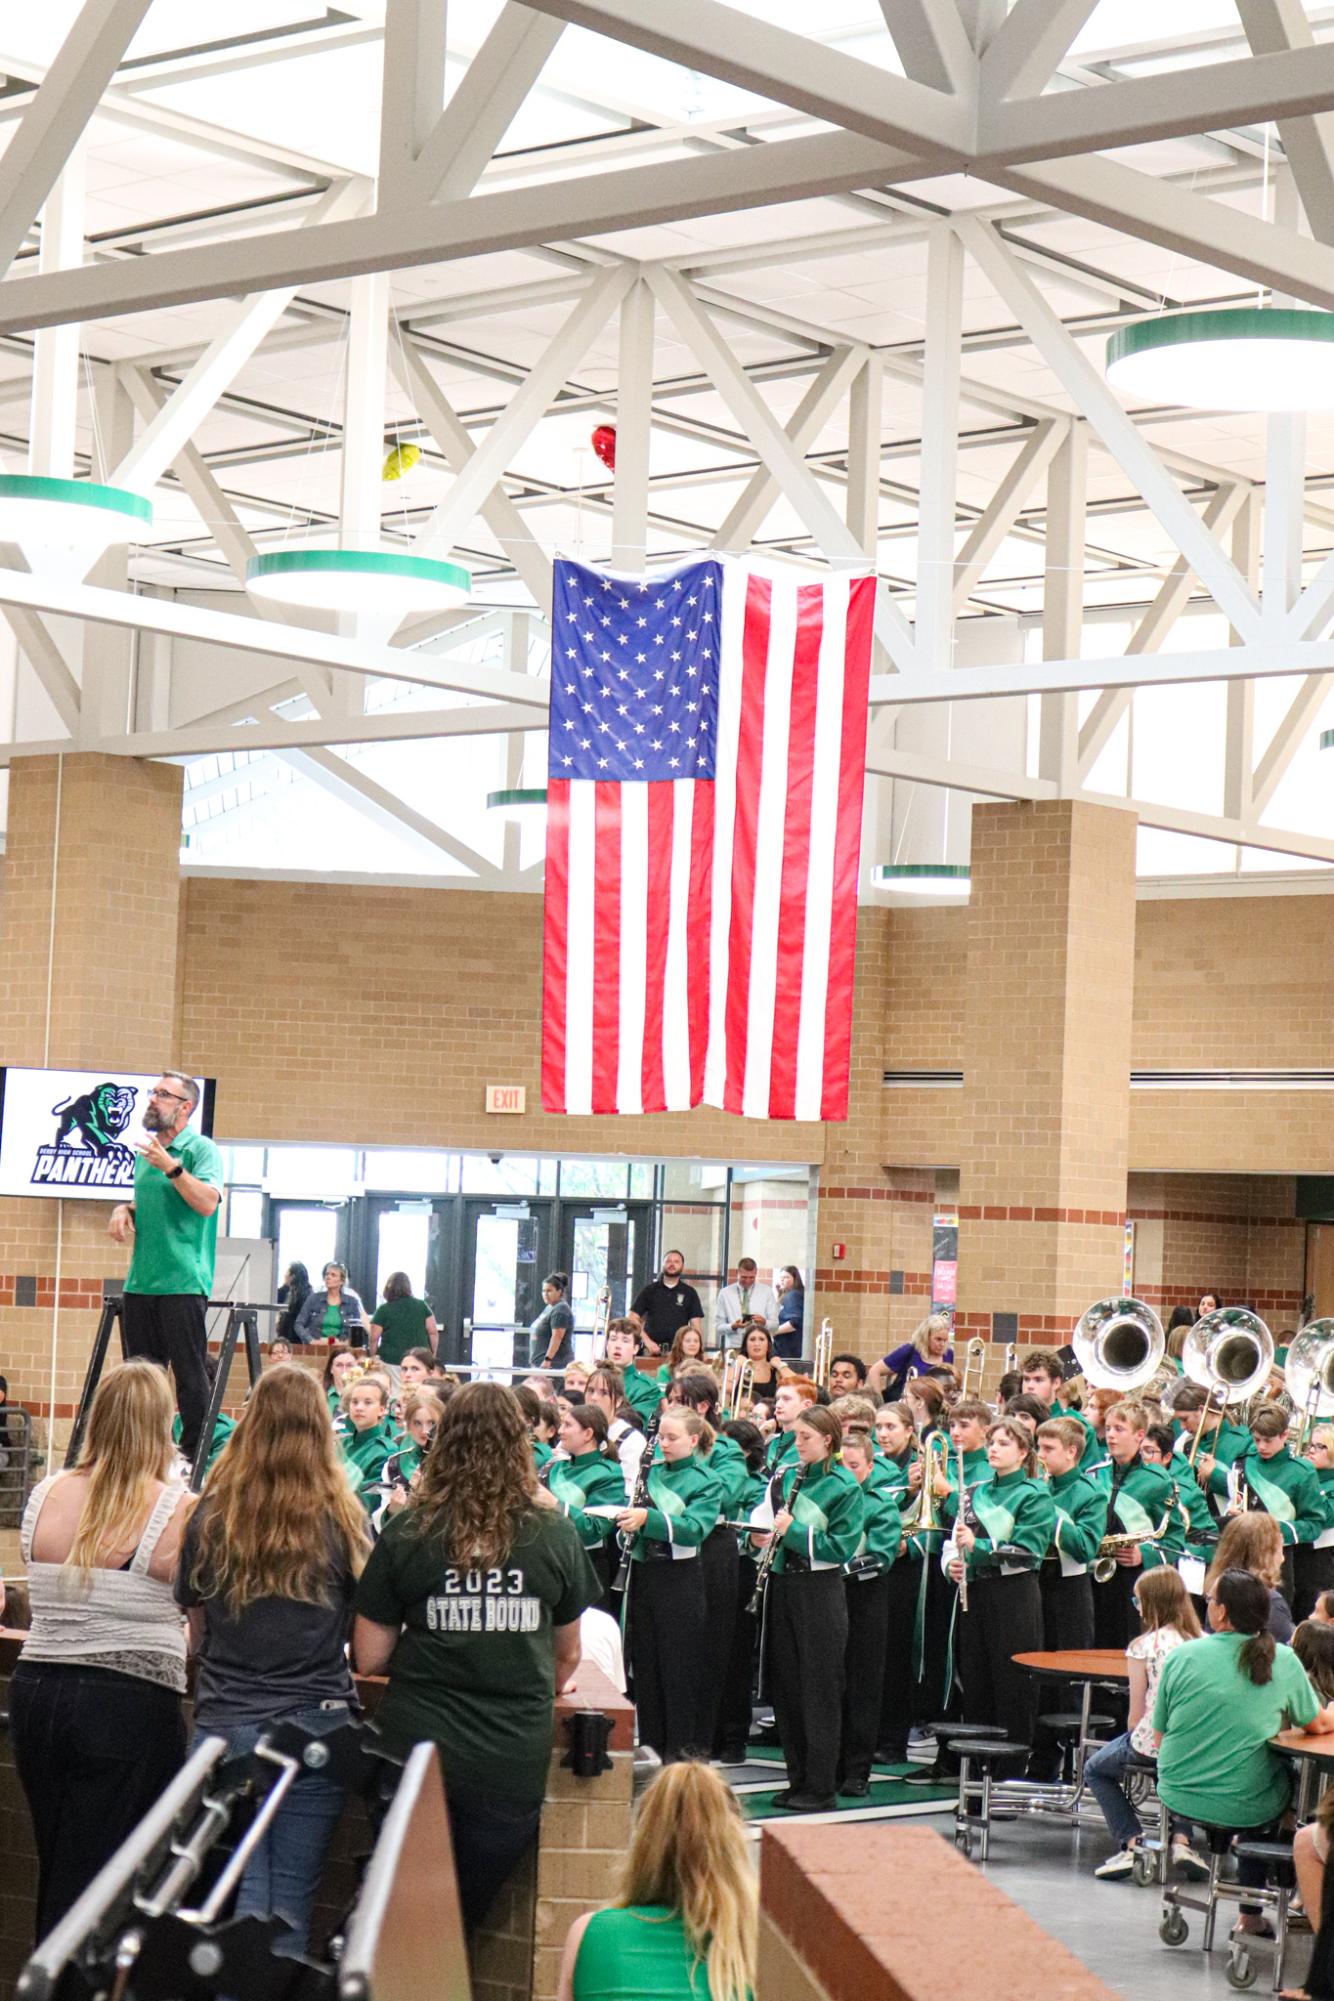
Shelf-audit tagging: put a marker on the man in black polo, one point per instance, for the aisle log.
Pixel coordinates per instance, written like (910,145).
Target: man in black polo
(666,1305)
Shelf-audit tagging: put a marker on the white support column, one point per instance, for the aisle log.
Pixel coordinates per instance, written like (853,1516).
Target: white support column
(634,420)
(412,93)
(109,652)
(940,449)
(363,446)
(457,152)
(55,364)
(1285,490)
(1239,751)
(1063,604)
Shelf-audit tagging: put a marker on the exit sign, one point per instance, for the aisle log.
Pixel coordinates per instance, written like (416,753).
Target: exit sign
(505,1097)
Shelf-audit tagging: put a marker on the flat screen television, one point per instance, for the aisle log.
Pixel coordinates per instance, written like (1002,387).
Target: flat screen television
(71,1133)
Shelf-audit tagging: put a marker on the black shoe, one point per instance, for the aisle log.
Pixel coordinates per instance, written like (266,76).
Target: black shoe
(732,1754)
(783,1798)
(930,1775)
(810,1802)
(892,1754)
(854,1789)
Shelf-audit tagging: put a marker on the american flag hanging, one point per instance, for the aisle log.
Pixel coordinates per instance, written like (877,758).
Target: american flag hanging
(704,805)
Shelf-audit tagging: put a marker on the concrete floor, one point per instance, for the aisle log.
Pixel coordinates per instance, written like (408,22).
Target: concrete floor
(1113,1927)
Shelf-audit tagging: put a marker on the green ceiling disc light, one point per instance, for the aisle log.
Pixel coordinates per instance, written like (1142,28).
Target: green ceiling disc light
(377,582)
(42,513)
(924,879)
(1327,739)
(1231,358)
(521,803)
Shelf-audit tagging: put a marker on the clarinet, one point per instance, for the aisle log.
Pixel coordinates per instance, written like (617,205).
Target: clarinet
(770,1550)
(639,1499)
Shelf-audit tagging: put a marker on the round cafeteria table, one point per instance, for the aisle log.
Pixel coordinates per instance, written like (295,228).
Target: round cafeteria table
(1315,1759)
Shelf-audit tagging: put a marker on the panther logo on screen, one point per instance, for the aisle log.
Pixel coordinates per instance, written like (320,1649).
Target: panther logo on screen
(99,1117)
(88,1150)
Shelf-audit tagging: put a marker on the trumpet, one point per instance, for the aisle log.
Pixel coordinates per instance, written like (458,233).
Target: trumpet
(1104,1564)
(824,1353)
(974,1357)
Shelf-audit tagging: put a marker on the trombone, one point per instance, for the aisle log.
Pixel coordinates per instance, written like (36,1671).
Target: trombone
(738,1382)
(824,1353)
(921,1516)
(601,1319)
(974,1357)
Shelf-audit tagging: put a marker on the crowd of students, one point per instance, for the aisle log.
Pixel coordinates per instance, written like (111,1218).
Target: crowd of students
(459,1535)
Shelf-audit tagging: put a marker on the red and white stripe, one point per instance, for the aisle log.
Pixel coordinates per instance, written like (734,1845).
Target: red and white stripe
(700,936)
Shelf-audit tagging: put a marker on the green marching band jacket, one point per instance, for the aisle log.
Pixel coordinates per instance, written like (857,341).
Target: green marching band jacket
(727,1463)
(1013,1517)
(882,1529)
(684,1503)
(1326,1479)
(1081,1512)
(781,1450)
(828,1517)
(1286,1488)
(1225,1448)
(591,1480)
(1136,1501)
(643,1392)
(365,1453)
(223,1427)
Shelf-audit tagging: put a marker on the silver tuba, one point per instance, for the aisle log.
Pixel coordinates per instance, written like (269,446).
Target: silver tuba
(1309,1375)
(1229,1353)
(1119,1344)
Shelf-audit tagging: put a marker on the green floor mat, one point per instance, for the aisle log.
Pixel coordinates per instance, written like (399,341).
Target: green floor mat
(887,1792)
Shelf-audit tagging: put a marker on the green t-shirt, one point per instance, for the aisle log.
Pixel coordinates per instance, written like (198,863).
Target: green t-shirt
(331,1326)
(474,1669)
(402,1324)
(638,1949)
(174,1246)
(1224,1774)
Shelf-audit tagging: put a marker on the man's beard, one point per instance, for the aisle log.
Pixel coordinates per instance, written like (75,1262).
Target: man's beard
(152,1120)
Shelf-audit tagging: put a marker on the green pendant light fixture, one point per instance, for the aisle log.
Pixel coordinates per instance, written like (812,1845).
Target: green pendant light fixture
(378,583)
(1228,358)
(934,881)
(62,515)
(525,804)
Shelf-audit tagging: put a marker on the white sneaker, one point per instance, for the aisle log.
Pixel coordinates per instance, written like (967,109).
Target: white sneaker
(1118,1865)
(1191,1864)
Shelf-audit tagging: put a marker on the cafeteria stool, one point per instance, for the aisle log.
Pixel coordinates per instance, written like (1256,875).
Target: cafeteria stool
(972,1816)
(1273,1896)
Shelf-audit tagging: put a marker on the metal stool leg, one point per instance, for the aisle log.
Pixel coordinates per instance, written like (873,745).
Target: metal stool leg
(1211,1914)
(986,1809)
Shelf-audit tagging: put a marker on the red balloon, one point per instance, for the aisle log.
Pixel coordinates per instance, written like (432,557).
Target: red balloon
(604,444)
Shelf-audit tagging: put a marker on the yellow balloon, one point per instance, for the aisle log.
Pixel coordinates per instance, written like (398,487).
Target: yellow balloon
(402,459)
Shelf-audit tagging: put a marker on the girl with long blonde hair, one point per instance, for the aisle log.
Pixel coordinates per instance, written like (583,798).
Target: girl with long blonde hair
(471,1602)
(686,1904)
(1254,1542)
(268,1568)
(94,1703)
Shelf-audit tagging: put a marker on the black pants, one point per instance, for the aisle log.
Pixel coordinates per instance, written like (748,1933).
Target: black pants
(489,1836)
(736,1709)
(1067,1623)
(719,1560)
(667,1628)
(896,1694)
(863,1676)
(168,1328)
(1004,1618)
(93,1750)
(1313,1572)
(1115,1618)
(807,1619)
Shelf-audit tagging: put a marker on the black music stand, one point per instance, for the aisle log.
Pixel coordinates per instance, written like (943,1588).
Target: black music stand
(242,1321)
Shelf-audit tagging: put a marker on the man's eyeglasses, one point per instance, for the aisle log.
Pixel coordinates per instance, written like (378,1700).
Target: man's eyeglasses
(172,1097)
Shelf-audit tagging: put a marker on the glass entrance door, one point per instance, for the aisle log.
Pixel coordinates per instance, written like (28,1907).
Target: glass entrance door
(603,1247)
(506,1257)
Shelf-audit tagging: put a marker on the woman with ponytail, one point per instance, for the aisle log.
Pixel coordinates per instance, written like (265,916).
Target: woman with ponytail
(687,1905)
(1227,1776)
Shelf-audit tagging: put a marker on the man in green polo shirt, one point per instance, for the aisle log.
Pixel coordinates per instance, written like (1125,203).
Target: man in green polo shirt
(172,1227)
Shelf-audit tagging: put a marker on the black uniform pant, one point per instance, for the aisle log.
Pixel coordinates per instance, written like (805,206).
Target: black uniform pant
(168,1328)
(896,1696)
(667,1627)
(1115,1615)
(1004,1618)
(1313,1572)
(94,1748)
(863,1676)
(807,1621)
(736,1708)
(1067,1623)
(719,1560)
